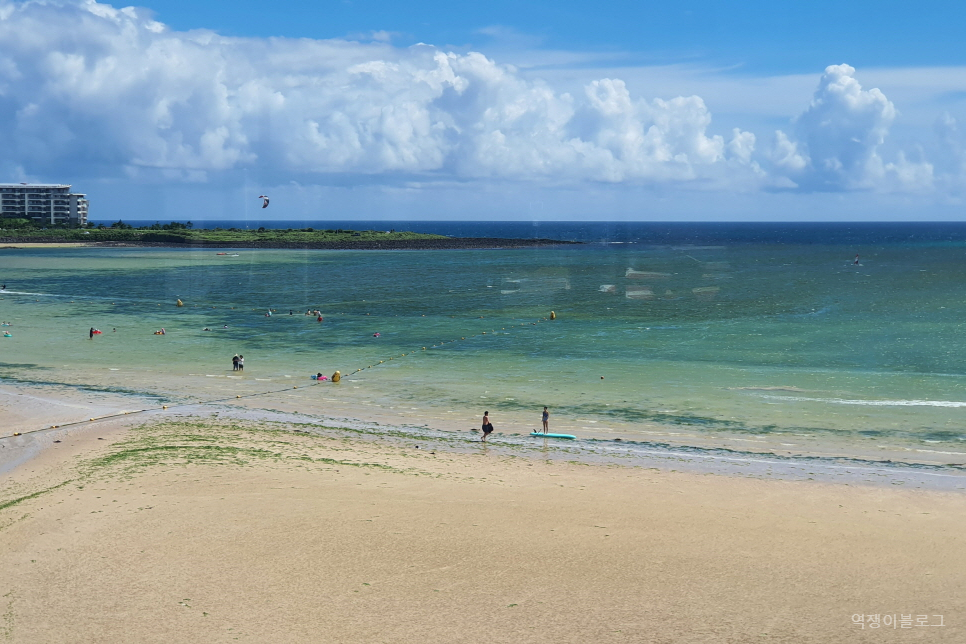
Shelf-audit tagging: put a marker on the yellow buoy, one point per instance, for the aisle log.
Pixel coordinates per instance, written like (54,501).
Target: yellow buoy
(180,303)
(237,396)
(164,406)
(16,433)
(336,377)
(553,316)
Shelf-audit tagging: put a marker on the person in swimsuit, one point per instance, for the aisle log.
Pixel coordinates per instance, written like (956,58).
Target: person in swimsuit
(487,425)
(234,362)
(546,420)
(92,333)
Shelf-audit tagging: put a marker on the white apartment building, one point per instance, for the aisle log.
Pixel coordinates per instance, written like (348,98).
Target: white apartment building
(45,203)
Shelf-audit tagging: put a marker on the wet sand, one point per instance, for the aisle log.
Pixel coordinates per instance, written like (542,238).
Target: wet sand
(201,529)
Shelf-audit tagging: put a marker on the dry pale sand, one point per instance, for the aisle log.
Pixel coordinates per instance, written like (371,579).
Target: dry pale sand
(218,532)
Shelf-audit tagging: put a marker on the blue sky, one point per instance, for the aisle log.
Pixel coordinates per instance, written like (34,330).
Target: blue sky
(772,37)
(497,110)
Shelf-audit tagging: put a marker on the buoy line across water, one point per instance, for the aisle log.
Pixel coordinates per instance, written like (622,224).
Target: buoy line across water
(553,316)
(336,378)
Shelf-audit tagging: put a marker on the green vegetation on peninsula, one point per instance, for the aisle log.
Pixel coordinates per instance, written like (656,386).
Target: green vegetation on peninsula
(14,231)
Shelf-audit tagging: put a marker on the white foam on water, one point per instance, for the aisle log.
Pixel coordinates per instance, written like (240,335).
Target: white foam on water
(873,403)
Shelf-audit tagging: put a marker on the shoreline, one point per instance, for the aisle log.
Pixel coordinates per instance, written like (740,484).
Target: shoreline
(452,243)
(45,414)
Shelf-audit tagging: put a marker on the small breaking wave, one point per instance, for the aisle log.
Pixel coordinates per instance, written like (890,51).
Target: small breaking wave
(873,403)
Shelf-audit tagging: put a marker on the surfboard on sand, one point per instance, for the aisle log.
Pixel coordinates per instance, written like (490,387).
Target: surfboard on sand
(541,434)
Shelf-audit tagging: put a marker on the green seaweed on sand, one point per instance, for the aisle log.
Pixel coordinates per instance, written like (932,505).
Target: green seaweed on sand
(213,443)
(209,443)
(33,495)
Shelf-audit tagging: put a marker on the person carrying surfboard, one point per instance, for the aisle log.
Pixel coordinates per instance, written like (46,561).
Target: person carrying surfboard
(487,425)
(546,420)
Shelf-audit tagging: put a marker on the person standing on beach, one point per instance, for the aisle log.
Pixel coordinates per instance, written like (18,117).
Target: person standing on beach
(546,420)
(234,362)
(487,425)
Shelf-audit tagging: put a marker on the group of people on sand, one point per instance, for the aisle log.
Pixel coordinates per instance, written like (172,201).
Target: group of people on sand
(238,363)
(488,426)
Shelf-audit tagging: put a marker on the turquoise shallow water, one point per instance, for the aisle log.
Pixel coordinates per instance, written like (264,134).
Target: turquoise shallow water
(763,346)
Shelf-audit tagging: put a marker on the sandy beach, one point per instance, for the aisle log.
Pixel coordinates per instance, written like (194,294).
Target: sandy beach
(196,528)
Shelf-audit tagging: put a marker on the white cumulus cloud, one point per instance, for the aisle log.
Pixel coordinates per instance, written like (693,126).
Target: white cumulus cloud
(87,88)
(837,139)
(112,91)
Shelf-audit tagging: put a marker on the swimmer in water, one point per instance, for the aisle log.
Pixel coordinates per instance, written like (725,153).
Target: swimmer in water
(856,259)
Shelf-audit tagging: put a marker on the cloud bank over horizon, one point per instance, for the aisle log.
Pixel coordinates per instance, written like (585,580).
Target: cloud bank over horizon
(88,89)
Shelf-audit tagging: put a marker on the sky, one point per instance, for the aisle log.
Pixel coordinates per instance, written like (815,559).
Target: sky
(688,110)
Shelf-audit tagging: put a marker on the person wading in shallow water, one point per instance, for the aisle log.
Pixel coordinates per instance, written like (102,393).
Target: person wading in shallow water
(234,362)
(546,420)
(487,425)
(241,363)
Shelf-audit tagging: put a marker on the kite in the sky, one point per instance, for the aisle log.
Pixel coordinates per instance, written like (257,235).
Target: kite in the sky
(264,199)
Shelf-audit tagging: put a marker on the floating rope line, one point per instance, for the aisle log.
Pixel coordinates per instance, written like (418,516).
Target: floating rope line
(461,338)
(252,395)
